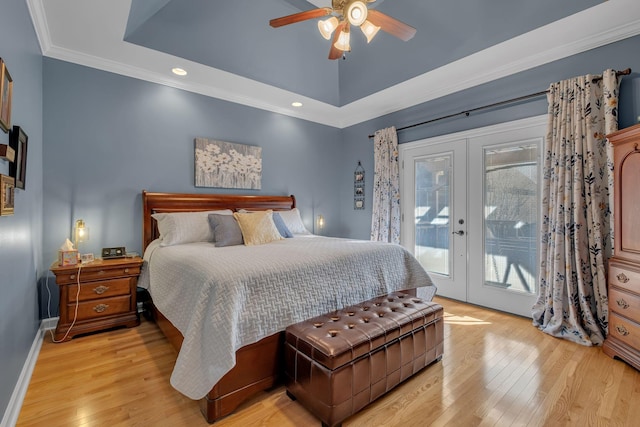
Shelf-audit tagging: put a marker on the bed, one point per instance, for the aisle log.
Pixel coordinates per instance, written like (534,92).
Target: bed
(223,323)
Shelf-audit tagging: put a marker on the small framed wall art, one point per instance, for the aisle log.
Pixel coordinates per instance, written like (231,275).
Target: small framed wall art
(18,142)
(6,195)
(6,90)
(358,187)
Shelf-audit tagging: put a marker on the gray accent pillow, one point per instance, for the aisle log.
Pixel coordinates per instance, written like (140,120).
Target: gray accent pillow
(226,231)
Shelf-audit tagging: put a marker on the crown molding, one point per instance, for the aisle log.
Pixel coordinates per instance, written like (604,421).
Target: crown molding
(455,76)
(38,17)
(603,24)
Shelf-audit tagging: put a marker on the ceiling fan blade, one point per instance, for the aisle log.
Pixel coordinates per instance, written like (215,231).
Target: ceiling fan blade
(300,16)
(334,52)
(391,25)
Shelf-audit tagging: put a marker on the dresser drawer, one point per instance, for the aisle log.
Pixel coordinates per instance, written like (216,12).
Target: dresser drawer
(91,273)
(99,289)
(624,278)
(100,307)
(625,303)
(624,330)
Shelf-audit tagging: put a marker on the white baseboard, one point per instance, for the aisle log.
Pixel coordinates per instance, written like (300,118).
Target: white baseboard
(12,412)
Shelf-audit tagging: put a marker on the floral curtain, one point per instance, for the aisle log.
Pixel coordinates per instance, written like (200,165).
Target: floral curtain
(576,232)
(385,221)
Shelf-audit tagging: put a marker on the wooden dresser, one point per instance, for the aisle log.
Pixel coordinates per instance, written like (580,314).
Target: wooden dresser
(107,296)
(623,340)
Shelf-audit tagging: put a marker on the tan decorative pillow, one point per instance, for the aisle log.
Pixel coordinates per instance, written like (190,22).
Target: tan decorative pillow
(257,227)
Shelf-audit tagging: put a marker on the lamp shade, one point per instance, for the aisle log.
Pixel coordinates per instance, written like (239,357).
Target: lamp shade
(343,40)
(81,232)
(327,27)
(369,30)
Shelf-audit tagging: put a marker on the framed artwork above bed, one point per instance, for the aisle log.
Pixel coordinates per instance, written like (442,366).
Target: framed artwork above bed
(223,164)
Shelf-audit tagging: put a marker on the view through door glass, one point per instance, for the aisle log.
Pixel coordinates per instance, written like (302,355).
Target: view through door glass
(432,195)
(511,207)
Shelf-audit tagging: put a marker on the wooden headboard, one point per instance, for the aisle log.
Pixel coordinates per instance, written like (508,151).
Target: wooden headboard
(177,202)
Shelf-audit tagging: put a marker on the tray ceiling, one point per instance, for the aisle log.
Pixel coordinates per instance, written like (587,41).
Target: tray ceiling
(232,53)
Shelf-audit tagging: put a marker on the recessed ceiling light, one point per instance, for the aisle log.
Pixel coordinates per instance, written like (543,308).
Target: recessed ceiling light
(178,71)
(296,104)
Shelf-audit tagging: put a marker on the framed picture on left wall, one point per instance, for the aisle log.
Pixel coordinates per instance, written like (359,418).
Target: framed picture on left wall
(6,195)
(18,168)
(6,90)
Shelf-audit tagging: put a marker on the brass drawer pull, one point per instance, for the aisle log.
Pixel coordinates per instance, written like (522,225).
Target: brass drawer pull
(622,330)
(101,272)
(100,289)
(100,308)
(622,278)
(126,270)
(622,303)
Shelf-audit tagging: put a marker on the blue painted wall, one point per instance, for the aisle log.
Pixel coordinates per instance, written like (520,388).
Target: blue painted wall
(109,137)
(358,147)
(20,234)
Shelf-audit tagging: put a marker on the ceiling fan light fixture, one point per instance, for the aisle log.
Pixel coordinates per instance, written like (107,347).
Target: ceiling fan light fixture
(327,27)
(356,13)
(369,30)
(343,40)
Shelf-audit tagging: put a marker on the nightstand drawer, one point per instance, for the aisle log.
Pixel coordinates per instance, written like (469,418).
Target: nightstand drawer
(624,278)
(101,307)
(99,289)
(90,273)
(624,303)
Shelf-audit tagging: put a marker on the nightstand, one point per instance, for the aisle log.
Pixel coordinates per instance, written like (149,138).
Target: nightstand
(107,296)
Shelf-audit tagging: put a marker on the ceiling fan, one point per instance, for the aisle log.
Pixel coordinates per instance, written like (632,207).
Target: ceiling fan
(345,14)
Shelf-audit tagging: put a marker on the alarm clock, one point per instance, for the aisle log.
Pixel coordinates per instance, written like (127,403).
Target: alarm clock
(110,253)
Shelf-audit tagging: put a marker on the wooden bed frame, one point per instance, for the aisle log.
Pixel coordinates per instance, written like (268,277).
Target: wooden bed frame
(259,365)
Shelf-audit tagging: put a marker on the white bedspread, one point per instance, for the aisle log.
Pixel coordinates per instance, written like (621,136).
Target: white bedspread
(221,299)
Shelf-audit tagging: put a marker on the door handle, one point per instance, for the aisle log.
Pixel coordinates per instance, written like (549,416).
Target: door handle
(459,232)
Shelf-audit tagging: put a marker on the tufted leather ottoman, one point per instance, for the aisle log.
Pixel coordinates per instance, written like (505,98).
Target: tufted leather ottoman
(338,363)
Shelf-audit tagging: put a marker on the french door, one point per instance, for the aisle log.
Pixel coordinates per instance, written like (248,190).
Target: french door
(434,212)
(470,212)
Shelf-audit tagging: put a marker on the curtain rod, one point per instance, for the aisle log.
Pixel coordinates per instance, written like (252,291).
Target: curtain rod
(495,104)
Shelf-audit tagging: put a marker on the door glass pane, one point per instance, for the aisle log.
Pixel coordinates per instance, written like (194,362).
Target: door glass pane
(510,213)
(433,198)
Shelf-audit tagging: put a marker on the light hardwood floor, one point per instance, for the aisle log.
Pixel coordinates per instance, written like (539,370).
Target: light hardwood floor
(497,370)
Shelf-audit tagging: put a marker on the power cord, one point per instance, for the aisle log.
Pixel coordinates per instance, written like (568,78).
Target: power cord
(75,314)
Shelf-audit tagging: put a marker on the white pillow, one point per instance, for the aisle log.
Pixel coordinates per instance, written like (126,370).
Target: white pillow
(185,227)
(293,221)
